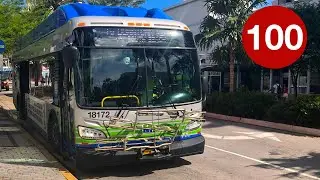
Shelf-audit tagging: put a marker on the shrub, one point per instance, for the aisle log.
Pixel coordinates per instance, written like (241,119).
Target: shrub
(281,112)
(245,104)
(303,111)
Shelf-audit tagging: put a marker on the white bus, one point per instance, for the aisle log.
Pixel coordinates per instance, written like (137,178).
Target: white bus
(121,84)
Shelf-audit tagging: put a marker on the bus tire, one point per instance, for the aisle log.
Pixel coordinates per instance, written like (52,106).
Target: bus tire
(54,136)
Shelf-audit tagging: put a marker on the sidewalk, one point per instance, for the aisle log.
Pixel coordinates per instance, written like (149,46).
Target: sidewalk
(21,157)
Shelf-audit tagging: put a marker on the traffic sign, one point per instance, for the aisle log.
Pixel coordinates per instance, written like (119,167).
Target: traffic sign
(2,47)
(274,37)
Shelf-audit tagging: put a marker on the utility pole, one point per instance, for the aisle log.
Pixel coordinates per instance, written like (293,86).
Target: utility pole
(2,49)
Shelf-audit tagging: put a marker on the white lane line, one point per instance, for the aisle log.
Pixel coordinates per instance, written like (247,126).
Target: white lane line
(261,135)
(236,137)
(227,137)
(266,163)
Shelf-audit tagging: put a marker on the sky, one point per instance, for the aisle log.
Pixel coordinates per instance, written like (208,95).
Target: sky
(149,4)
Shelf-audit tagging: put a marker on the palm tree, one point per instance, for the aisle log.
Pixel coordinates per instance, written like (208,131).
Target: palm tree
(221,29)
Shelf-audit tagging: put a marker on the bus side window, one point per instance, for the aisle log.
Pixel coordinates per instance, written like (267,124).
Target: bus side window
(42,79)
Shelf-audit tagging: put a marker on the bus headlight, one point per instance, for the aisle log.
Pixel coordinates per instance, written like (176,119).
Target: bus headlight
(193,125)
(89,133)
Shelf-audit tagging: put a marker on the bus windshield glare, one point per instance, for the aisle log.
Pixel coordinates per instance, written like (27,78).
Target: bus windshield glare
(133,67)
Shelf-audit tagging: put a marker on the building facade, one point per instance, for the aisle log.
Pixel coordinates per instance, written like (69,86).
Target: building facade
(309,81)
(192,12)
(290,3)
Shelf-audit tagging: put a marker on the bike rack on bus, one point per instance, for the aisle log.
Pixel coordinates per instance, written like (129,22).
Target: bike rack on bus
(154,125)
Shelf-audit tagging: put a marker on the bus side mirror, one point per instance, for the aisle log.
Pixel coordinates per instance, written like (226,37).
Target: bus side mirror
(70,54)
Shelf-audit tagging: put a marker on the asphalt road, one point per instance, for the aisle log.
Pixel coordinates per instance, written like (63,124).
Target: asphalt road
(233,151)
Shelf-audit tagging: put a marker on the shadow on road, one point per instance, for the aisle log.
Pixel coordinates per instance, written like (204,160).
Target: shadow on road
(309,164)
(132,170)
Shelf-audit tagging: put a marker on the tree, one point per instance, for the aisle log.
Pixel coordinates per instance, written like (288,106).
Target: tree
(15,22)
(310,14)
(221,28)
(296,69)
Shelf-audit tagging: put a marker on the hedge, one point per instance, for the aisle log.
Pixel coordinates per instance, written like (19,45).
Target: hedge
(302,111)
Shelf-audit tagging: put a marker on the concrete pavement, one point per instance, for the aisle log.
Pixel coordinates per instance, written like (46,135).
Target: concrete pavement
(21,157)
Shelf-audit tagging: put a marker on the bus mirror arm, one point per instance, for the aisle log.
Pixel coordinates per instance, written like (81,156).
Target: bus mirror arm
(70,54)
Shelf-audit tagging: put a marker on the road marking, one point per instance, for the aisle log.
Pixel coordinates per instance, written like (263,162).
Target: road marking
(266,163)
(67,175)
(250,135)
(261,135)
(227,137)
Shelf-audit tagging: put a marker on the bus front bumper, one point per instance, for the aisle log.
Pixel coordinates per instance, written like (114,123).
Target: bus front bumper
(90,157)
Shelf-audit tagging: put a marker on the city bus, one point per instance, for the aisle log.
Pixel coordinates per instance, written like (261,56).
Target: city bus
(111,85)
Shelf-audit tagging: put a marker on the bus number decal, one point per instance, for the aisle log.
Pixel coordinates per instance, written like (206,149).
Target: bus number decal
(101,114)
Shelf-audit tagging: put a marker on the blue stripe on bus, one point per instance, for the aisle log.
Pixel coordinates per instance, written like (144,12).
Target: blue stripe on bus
(78,9)
(130,143)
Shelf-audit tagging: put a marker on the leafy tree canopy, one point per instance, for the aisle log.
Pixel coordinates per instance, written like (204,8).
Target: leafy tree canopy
(220,31)
(310,14)
(16,22)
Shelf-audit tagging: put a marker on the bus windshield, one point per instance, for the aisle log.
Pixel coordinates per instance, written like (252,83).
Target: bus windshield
(137,76)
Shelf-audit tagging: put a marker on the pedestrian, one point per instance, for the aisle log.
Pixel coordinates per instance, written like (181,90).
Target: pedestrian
(43,80)
(277,89)
(285,92)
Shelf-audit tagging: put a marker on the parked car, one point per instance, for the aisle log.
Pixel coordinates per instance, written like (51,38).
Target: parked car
(5,84)
(5,80)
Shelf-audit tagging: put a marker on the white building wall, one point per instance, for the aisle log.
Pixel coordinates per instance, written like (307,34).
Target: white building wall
(191,13)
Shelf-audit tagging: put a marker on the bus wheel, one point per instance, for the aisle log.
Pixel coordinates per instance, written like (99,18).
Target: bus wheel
(54,133)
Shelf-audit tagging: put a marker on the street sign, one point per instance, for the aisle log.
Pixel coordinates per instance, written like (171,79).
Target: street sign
(2,47)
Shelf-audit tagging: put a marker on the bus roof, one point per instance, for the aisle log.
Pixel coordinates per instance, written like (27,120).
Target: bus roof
(50,36)
(67,12)
(80,9)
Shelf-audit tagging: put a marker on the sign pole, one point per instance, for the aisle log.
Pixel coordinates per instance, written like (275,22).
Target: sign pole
(1,69)
(2,49)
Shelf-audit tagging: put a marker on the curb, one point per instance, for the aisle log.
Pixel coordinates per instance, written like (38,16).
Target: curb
(279,126)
